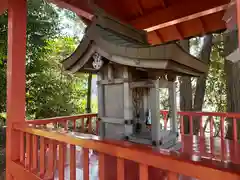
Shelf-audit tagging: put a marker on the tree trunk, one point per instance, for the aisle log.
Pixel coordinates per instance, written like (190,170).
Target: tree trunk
(201,81)
(89,94)
(232,71)
(186,99)
(185,92)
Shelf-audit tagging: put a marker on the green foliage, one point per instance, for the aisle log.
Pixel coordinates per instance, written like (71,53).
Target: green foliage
(49,91)
(215,96)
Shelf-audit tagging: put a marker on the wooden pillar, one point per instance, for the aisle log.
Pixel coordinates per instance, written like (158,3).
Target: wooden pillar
(173,105)
(101,105)
(17,10)
(3,6)
(238,20)
(155,115)
(128,106)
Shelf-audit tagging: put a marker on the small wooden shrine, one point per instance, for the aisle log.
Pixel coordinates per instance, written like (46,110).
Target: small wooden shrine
(130,73)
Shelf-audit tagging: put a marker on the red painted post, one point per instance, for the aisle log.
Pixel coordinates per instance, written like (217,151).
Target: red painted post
(238,20)
(222,127)
(191,124)
(182,124)
(211,126)
(201,126)
(235,129)
(17,10)
(3,6)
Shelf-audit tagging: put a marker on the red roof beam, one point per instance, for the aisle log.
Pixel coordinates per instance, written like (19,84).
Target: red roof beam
(3,6)
(179,13)
(71,5)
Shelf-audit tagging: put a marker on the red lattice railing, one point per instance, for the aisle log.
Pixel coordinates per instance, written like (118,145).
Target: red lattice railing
(116,159)
(85,123)
(211,123)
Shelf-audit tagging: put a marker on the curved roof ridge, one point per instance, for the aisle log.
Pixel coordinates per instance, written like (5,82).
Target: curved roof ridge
(123,45)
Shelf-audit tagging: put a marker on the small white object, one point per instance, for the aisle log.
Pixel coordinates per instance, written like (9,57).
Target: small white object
(97,61)
(234,56)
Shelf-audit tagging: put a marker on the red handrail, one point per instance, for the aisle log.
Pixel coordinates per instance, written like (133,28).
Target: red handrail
(86,121)
(118,155)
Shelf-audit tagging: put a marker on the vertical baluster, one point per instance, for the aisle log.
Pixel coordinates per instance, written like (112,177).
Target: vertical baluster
(85,164)
(72,162)
(97,125)
(172,176)
(191,125)
(165,120)
(42,156)
(223,157)
(74,125)
(101,166)
(50,162)
(22,147)
(211,127)
(234,129)
(34,152)
(28,151)
(222,127)
(182,124)
(90,124)
(143,170)
(201,127)
(66,125)
(120,169)
(61,162)
(202,146)
(82,124)
(212,147)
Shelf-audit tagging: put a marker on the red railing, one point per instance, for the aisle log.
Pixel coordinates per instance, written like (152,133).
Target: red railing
(116,159)
(85,123)
(211,123)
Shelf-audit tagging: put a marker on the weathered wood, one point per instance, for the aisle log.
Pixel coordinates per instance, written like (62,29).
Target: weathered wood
(101,105)
(155,116)
(173,107)
(127,102)
(112,120)
(112,81)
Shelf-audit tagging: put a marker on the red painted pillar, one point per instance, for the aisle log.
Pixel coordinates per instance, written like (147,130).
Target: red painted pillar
(3,6)
(238,20)
(15,76)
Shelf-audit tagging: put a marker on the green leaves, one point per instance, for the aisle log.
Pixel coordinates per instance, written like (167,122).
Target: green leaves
(49,91)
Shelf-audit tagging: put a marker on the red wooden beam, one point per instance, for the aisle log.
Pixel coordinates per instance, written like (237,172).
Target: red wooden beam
(3,6)
(238,21)
(74,6)
(184,11)
(17,13)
